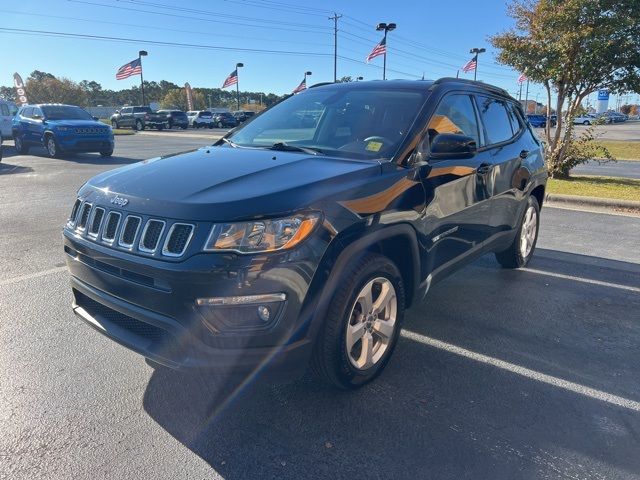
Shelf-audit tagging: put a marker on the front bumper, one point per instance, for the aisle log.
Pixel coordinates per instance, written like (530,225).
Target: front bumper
(85,144)
(162,321)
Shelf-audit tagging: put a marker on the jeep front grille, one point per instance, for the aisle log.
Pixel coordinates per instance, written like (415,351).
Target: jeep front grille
(84,216)
(96,221)
(177,239)
(151,235)
(135,233)
(129,231)
(109,232)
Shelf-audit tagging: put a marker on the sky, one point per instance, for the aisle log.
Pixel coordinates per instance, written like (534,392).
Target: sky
(200,41)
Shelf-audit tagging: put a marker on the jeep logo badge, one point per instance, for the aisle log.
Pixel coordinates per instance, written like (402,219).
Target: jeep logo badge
(119,201)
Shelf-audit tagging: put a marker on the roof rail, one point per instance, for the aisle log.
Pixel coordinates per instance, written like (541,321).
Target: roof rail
(321,84)
(488,86)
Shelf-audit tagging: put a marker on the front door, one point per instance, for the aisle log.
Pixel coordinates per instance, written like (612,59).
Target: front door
(457,213)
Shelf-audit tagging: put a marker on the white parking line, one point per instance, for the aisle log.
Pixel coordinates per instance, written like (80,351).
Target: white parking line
(583,280)
(21,278)
(525,372)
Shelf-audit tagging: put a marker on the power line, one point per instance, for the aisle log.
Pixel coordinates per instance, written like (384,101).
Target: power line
(154,42)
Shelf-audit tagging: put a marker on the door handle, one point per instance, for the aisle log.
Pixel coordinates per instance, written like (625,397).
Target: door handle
(524,154)
(484,168)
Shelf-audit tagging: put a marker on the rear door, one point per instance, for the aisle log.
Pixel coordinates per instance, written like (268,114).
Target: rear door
(502,152)
(457,214)
(5,120)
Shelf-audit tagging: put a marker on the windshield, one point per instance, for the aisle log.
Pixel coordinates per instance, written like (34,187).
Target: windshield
(64,112)
(363,123)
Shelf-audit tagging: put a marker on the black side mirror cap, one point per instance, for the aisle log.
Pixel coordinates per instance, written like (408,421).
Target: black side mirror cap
(452,146)
(96,118)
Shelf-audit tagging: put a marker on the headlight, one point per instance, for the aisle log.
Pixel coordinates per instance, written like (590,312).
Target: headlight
(261,235)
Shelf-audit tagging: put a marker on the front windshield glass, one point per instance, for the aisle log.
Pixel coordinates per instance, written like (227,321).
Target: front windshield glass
(62,112)
(356,123)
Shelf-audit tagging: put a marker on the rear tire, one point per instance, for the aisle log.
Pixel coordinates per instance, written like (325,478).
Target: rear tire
(355,342)
(106,154)
(20,145)
(160,127)
(586,122)
(524,244)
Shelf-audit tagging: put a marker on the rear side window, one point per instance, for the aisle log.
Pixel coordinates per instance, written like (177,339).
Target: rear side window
(514,119)
(495,118)
(455,114)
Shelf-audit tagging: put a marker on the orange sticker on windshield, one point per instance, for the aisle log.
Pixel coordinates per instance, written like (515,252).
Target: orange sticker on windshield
(374,146)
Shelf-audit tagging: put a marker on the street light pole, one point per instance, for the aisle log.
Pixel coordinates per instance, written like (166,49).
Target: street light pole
(387,27)
(238,65)
(142,53)
(477,51)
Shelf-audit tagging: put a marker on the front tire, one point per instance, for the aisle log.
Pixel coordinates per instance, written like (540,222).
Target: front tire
(106,154)
(52,147)
(586,122)
(524,244)
(114,124)
(20,146)
(362,324)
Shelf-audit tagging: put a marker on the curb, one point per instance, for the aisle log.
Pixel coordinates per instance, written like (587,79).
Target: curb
(579,201)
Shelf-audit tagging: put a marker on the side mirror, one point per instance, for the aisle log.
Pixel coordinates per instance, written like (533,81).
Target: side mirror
(117,111)
(452,146)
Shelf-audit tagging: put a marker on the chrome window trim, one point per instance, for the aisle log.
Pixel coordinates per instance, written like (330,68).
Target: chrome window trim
(141,247)
(90,222)
(186,244)
(128,246)
(110,241)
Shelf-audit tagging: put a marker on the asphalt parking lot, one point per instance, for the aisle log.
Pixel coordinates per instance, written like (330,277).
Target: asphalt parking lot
(499,374)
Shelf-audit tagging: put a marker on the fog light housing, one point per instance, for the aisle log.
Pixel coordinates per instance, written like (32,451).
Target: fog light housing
(241,313)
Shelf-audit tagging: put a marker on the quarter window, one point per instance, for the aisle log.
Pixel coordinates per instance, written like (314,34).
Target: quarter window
(455,114)
(514,119)
(495,118)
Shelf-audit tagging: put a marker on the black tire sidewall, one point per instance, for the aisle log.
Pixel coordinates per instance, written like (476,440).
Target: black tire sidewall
(357,275)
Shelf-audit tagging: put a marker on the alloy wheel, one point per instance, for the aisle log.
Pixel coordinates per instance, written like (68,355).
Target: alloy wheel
(528,231)
(51,146)
(372,323)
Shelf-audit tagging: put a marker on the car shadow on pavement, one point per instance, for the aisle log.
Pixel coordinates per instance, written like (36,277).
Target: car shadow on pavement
(9,169)
(86,158)
(441,409)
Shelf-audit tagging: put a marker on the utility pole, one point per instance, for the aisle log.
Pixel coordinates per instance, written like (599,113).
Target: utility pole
(335,45)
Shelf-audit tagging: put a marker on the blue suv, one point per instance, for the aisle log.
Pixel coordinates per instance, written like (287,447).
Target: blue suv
(60,129)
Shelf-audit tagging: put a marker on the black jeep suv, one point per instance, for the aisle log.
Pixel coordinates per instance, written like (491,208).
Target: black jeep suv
(306,234)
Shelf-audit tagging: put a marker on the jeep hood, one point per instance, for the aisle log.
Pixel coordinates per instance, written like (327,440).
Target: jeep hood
(224,183)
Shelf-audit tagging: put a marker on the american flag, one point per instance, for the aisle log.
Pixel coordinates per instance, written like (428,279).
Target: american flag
(522,78)
(379,49)
(301,87)
(132,68)
(232,79)
(471,65)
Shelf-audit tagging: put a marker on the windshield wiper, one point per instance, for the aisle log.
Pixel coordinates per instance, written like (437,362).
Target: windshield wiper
(285,147)
(226,140)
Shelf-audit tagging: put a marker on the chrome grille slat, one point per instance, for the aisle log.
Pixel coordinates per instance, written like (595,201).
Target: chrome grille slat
(84,216)
(129,231)
(111,226)
(178,239)
(151,235)
(96,222)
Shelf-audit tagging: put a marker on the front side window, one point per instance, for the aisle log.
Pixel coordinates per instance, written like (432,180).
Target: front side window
(126,110)
(455,114)
(65,112)
(357,123)
(495,119)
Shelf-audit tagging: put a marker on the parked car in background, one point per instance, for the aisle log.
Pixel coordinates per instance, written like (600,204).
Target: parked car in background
(284,244)
(613,117)
(586,119)
(243,115)
(224,120)
(538,121)
(138,118)
(200,119)
(0,148)
(7,112)
(176,118)
(60,129)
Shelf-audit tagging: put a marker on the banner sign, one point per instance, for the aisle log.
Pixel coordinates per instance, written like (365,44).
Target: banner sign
(21,93)
(603,94)
(187,87)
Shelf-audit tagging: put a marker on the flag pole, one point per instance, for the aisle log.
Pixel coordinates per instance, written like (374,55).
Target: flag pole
(458,73)
(142,53)
(526,99)
(520,93)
